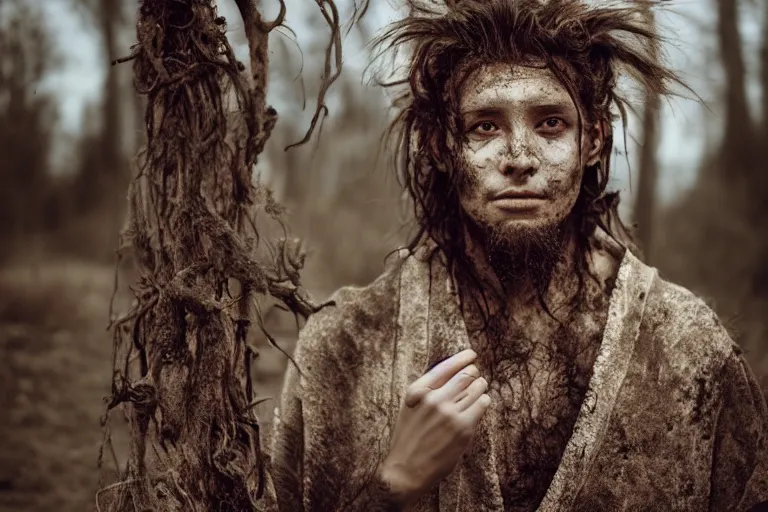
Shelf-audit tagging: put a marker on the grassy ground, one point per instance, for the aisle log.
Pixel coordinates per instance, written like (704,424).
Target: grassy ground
(55,364)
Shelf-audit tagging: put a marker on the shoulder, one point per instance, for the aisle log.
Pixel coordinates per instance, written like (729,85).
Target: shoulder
(687,331)
(359,319)
(713,378)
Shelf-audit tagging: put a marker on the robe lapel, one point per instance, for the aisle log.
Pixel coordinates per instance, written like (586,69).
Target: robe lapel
(430,329)
(410,355)
(474,484)
(625,313)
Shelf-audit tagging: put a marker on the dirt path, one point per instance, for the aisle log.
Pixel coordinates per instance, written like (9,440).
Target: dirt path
(55,358)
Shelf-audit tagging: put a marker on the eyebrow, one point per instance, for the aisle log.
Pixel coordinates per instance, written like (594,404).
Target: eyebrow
(492,107)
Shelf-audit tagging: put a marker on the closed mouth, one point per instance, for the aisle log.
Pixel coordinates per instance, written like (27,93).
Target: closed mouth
(519,202)
(518,195)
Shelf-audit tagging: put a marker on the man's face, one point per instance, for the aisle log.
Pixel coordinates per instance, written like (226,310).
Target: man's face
(521,157)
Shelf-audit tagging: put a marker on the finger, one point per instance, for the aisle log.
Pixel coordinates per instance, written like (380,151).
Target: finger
(438,376)
(458,383)
(476,410)
(442,373)
(415,395)
(472,393)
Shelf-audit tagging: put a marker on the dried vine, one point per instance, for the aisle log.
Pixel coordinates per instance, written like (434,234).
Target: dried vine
(182,364)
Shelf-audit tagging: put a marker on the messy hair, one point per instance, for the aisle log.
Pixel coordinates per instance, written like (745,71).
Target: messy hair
(586,47)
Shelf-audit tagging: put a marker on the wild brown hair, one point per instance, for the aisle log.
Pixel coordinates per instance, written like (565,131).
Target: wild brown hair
(586,47)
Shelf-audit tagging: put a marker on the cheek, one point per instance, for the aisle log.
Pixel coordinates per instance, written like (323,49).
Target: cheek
(475,165)
(562,170)
(480,157)
(560,163)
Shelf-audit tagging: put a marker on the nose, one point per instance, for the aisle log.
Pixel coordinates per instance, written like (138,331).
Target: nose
(519,160)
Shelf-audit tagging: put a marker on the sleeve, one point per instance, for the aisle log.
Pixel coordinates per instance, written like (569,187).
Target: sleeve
(318,482)
(287,450)
(740,457)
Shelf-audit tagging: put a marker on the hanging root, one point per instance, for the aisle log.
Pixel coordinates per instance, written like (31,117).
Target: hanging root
(181,367)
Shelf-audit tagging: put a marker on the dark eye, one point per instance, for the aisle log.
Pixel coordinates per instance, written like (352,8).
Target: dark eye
(553,125)
(487,126)
(484,127)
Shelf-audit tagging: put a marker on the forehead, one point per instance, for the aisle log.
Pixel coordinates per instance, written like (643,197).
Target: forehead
(497,85)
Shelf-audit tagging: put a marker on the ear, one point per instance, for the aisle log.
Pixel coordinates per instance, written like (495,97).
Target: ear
(595,140)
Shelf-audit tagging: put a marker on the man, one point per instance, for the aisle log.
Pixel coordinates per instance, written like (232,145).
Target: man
(518,356)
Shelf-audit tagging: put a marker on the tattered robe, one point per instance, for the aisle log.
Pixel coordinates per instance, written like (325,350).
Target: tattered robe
(673,419)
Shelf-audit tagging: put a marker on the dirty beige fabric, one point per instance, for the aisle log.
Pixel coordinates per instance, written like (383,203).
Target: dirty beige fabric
(673,418)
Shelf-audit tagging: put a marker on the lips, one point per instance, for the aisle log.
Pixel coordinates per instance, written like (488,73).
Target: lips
(519,202)
(518,194)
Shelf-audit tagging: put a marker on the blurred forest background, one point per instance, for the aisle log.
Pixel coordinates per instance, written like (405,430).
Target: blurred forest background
(692,175)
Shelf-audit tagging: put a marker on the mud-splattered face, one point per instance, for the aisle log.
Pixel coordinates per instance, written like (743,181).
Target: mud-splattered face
(521,156)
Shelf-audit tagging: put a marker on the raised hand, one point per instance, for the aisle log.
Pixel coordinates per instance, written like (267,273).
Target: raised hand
(436,423)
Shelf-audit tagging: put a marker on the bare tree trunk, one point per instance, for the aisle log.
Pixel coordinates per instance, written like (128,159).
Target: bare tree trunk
(760,283)
(738,142)
(182,360)
(764,77)
(114,171)
(645,205)
(25,128)
(181,357)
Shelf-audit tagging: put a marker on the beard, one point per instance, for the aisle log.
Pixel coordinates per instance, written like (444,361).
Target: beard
(521,255)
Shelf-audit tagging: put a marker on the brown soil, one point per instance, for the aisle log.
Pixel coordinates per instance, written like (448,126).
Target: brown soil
(55,360)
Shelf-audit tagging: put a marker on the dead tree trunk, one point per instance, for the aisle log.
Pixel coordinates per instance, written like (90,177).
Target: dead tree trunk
(760,283)
(109,17)
(739,129)
(182,367)
(645,205)
(764,77)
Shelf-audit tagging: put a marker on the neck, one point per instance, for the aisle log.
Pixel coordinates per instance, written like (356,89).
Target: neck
(516,285)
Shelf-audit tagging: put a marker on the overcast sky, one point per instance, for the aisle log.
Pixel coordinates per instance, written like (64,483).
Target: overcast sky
(686,125)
